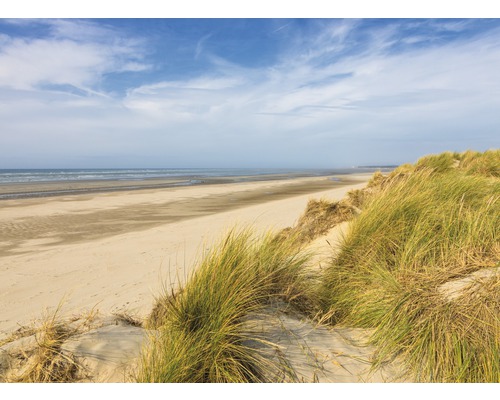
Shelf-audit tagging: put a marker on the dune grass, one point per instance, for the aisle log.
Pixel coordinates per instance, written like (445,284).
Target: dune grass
(48,363)
(45,361)
(486,164)
(437,162)
(201,328)
(470,162)
(318,218)
(424,226)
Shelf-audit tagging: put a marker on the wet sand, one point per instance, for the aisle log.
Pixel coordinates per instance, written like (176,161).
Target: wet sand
(66,188)
(77,218)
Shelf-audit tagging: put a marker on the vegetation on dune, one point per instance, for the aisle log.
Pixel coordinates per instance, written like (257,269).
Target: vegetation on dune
(47,363)
(469,162)
(421,227)
(486,164)
(318,218)
(201,329)
(436,162)
(43,360)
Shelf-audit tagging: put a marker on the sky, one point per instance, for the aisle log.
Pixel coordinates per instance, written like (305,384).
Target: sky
(246,92)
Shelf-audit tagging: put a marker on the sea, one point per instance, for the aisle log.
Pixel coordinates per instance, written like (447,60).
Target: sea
(132,174)
(116,174)
(12,178)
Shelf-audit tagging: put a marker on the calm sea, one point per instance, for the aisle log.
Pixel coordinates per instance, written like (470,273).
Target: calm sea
(78,175)
(10,179)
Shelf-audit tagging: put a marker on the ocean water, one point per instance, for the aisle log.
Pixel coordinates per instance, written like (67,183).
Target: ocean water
(135,174)
(79,175)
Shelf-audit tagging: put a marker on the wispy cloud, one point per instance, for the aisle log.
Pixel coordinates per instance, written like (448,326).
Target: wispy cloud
(199,45)
(281,27)
(76,53)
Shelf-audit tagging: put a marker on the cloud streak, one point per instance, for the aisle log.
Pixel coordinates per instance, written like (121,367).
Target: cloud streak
(74,53)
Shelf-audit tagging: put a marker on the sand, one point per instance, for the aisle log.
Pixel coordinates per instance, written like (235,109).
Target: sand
(115,251)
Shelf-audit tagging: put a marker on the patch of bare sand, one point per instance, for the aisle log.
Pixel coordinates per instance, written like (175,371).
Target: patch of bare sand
(110,353)
(325,247)
(307,352)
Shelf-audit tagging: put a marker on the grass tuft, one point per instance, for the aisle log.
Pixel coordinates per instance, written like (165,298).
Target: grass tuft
(201,328)
(485,164)
(319,217)
(436,162)
(46,362)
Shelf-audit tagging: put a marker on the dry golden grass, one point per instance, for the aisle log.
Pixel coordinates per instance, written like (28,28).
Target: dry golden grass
(319,217)
(45,361)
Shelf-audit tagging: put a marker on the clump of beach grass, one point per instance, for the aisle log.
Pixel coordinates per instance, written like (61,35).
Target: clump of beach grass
(486,164)
(127,318)
(424,227)
(45,361)
(437,162)
(201,329)
(318,218)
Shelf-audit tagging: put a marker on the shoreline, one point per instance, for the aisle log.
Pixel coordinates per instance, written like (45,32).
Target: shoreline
(117,250)
(40,189)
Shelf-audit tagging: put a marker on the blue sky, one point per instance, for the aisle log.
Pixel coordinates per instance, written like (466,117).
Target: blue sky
(305,93)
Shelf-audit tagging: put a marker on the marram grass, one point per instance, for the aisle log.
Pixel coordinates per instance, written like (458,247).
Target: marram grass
(318,218)
(201,329)
(45,361)
(423,227)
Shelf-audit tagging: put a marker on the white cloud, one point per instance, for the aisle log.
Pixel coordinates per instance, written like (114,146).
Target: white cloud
(416,78)
(24,64)
(79,30)
(77,53)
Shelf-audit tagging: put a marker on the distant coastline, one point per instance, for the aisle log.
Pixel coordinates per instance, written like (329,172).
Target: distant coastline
(378,166)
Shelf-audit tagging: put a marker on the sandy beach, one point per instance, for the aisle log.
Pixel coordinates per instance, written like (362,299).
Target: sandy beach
(115,251)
